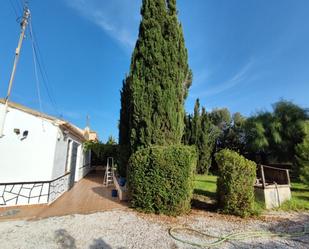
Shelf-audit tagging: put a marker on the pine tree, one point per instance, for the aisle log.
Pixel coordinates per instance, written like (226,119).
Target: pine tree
(153,95)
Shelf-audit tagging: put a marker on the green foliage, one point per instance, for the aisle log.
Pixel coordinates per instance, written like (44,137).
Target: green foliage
(199,131)
(302,155)
(273,137)
(205,188)
(206,143)
(232,135)
(111,141)
(196,123)
(291,118)
(300,198)
(205,185)
(256,140)
(124,127)
(235,192)
(161,179)
(100,152)
(153,94)
(221,118)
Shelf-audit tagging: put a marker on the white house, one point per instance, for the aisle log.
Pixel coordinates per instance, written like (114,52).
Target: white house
(41,157)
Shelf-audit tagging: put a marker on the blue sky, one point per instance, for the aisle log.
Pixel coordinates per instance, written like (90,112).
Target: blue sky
(245,55)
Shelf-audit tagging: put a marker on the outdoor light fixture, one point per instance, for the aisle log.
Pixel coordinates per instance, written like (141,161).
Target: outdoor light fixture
(25,135)
(17,131)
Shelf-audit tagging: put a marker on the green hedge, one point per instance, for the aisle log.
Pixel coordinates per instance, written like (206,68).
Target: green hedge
(161,179)
(100,152)
(235,191)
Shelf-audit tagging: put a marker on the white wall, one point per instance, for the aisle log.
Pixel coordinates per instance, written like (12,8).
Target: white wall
(84,164)
(31,159)
(61,156)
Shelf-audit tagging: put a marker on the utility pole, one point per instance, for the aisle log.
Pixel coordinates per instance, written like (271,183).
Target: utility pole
(23,25)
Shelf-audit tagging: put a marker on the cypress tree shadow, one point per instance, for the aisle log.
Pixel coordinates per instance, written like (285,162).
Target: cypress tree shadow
(209,194)
(64,239)
(101,244)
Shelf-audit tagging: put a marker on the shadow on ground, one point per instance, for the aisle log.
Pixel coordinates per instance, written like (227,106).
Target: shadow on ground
(295,189)
(203,202)
(101,244)
(66,241)
(206,193)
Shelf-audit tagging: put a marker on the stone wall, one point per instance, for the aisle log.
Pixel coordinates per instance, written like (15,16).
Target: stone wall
(24,194)
(33,193)
(58,187)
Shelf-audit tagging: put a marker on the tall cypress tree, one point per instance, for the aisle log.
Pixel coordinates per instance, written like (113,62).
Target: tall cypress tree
(124,135)
(153,95)
(196,123)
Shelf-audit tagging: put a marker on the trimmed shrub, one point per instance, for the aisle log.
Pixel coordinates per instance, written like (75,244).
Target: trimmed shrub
(235,190)
(100,152)
(161,179)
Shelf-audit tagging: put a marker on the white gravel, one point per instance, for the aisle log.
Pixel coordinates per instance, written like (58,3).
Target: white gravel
(128,229)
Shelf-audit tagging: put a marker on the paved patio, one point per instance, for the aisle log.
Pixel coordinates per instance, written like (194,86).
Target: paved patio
(87,196)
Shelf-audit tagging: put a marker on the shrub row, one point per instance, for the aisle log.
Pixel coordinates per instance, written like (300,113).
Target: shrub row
(235,183)
(161,179)
(100,152)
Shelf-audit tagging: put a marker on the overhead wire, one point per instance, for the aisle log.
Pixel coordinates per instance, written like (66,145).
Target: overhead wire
(41,67)
(14,9)
(35,68)
(43,71)
(38,63)
(19,6)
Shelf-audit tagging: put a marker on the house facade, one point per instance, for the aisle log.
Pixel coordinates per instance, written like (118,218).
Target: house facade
(41,157)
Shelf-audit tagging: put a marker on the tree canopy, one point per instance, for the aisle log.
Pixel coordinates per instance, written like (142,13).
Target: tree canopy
(153,94)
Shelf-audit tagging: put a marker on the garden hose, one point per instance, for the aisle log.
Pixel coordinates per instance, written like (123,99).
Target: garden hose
(233,236)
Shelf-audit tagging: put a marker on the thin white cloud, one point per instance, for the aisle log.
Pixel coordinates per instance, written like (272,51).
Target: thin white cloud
(235,80)
(117,18)
(201,77)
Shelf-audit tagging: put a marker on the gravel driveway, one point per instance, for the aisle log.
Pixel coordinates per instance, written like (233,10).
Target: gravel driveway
(128,229)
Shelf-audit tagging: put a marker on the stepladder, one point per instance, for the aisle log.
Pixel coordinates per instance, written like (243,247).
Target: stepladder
(109,173)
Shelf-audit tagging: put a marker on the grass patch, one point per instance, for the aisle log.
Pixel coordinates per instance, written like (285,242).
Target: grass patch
(204,195)
(300,198)
(205,187)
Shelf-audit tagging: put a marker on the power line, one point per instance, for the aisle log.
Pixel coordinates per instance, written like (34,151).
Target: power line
(14,9)
(44,72)
(19,6)
(36,70)
(42,69)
